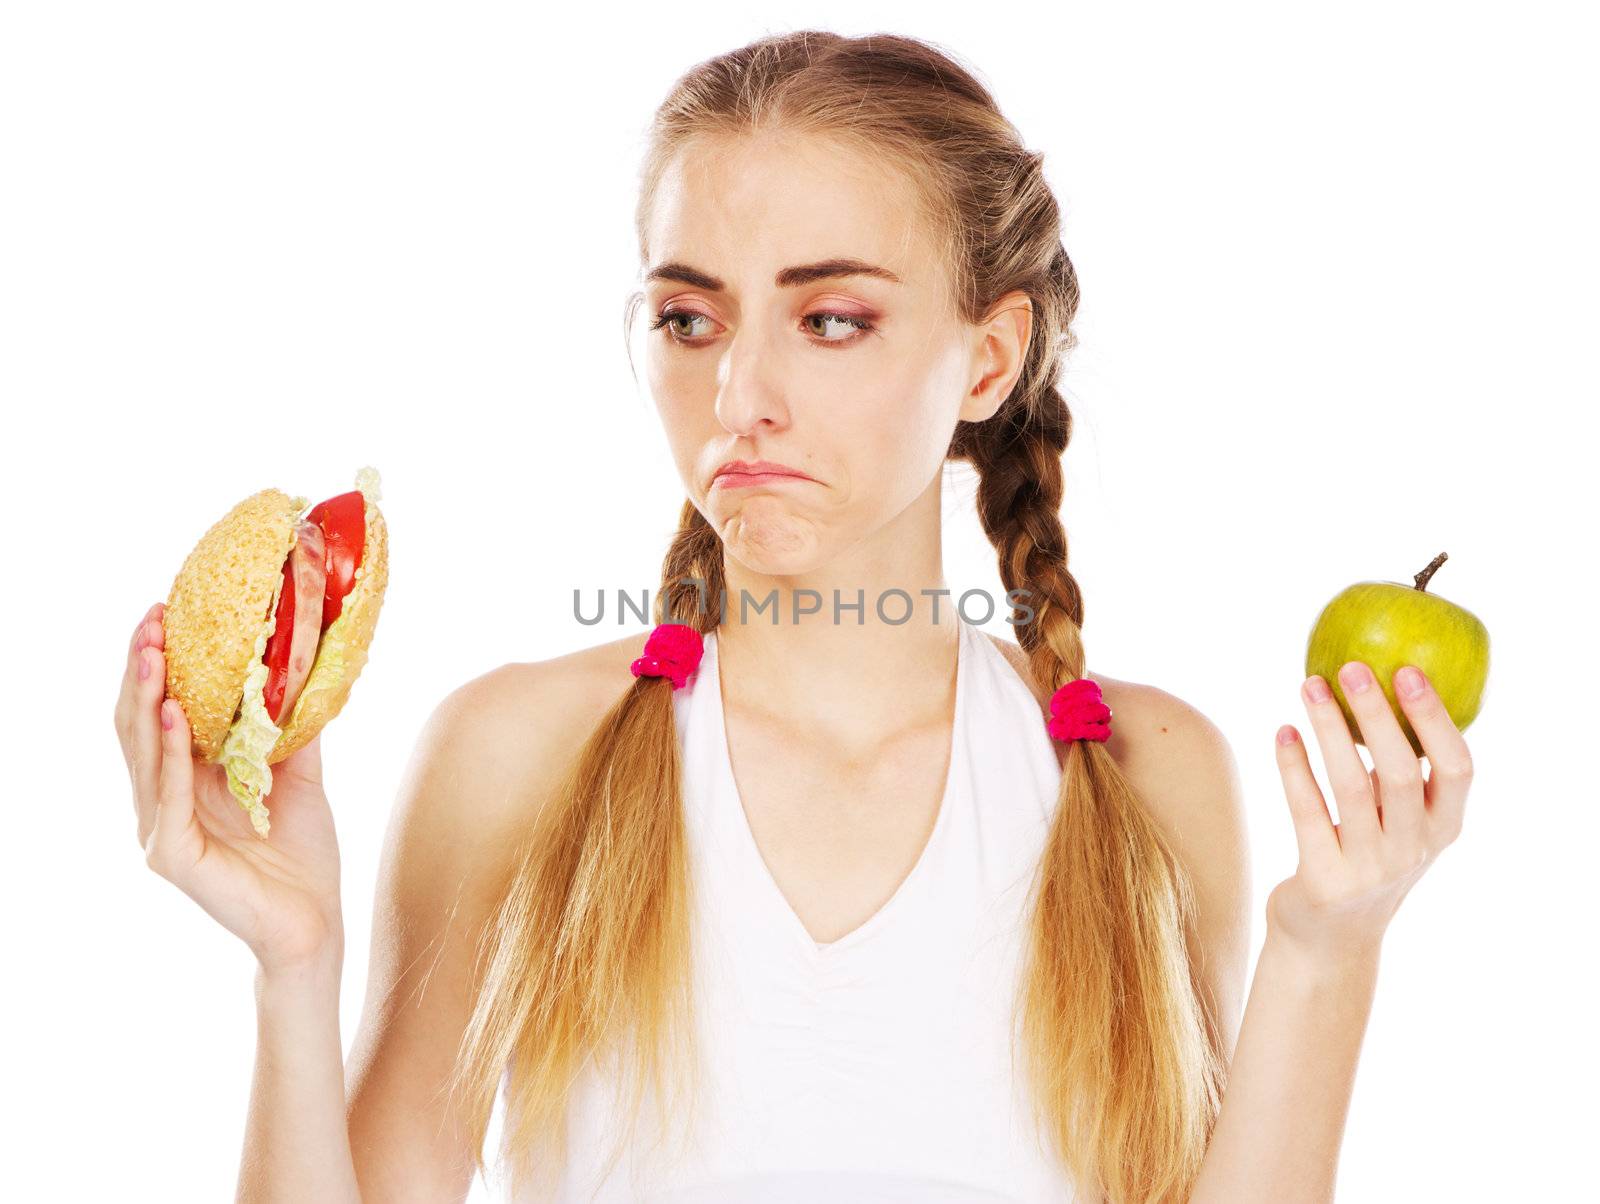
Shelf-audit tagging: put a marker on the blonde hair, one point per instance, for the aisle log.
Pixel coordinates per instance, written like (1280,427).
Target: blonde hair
(589,953)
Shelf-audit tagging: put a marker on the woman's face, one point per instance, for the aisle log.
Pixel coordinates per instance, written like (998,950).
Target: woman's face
(855,380)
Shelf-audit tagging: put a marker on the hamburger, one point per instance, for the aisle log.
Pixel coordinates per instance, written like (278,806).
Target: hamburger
(267,627)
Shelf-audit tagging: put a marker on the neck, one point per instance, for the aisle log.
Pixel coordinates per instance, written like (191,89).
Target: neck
(813,657)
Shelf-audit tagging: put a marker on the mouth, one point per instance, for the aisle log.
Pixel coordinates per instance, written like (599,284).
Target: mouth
(739,473)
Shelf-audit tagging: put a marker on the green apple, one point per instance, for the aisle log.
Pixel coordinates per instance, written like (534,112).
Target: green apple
(1386,625)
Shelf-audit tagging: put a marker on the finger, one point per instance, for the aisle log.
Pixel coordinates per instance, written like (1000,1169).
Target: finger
(176,840)
(1347,775)
(144,746)
(134,641)
(130,669)
(1395,767)
(1313,826)
(154,611)
(150,629)
(1450,761)
(305,763)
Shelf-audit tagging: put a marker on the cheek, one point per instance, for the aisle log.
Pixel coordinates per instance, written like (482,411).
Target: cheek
(909,427)
(678,400)
(893,447)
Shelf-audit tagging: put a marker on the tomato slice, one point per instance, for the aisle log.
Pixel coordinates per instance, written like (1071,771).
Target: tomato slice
(343,520)
(276,657)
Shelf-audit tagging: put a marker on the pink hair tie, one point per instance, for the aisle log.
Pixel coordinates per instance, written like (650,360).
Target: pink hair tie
(673,650)
(1077,713)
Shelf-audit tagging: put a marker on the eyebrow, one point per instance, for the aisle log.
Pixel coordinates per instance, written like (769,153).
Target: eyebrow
(805,273)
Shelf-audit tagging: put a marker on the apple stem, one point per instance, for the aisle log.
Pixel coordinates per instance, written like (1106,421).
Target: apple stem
(1433,567)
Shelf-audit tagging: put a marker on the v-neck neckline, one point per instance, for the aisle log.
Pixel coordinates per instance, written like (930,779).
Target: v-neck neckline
(745,836)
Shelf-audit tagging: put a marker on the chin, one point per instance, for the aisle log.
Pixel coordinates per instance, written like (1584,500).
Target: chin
(773,543)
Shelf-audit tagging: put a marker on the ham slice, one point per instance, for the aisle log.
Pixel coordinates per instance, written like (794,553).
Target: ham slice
(308,570)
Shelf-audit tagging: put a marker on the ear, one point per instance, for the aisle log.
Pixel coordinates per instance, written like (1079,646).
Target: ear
(1000,343)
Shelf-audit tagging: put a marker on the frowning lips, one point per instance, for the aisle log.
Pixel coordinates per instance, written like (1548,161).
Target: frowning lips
(749,472)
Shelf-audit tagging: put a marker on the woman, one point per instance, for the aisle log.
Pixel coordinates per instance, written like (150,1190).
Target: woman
(805,879)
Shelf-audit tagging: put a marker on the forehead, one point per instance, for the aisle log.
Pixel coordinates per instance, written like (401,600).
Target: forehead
(743,206)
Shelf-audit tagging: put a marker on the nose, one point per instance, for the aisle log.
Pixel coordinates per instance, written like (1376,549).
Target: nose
(748,394)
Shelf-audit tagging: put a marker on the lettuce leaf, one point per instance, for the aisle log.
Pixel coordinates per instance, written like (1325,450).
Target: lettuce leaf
(253,734)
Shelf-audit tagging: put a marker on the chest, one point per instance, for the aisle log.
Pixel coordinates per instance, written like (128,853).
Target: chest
(838,835)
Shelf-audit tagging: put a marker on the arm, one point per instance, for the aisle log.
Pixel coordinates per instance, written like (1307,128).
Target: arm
(473,792)
(1278,1133)
(281,897)
(302,1128)
(1293,1056)
(467,802)
(1289,1086)
(467,799)
(296,1146)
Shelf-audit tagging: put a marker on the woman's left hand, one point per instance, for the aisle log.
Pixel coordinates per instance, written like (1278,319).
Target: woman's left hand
(1353,874)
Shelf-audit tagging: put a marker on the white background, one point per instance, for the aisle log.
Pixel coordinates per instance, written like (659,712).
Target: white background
(1338,316)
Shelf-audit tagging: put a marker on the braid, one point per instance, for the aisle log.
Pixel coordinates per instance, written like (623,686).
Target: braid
(1019,505)
(694,555)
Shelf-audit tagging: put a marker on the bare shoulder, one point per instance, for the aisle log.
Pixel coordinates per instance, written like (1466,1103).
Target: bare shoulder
(1158,739)
(517,728)
(585,683)
(489,756)
(1130,707)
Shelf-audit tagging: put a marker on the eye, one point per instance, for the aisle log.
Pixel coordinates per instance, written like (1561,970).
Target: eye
(859,327)
(667,316)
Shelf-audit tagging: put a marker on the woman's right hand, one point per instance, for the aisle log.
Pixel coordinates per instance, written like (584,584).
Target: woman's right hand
(279,895)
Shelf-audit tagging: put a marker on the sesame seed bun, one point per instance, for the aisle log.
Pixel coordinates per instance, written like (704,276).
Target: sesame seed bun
(222,600)
(216,609)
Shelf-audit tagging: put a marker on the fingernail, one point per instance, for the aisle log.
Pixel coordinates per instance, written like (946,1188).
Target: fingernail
(1317,689)
(1354,677)
(166,717)
(144,666)
(1409,682)
(1286,734)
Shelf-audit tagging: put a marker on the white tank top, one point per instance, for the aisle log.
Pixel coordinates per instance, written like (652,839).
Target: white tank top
(876,1067)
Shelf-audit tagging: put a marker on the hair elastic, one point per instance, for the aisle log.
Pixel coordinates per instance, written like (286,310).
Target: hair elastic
(1077,712)
(672,650)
